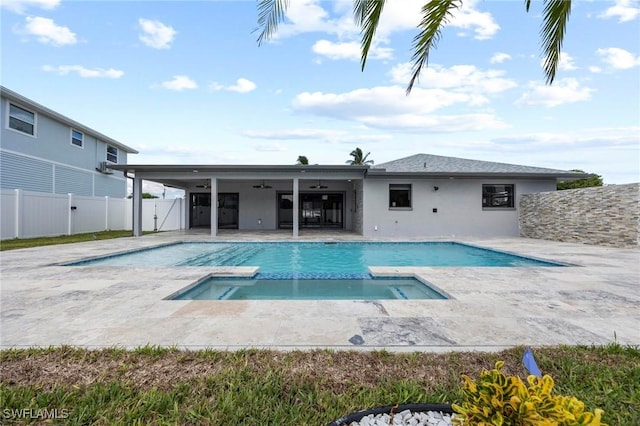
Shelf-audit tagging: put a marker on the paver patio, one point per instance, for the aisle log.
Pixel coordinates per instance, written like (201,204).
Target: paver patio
(595,302)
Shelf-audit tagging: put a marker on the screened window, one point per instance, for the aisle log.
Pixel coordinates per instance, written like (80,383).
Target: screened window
(112,154)
(22,120)
(498,196)
(77,138)
(399,196)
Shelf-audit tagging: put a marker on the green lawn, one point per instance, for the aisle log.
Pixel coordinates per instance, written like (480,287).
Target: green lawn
(19,243)
(261,387)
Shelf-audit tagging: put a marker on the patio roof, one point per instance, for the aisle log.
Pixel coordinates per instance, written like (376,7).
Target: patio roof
(417,166)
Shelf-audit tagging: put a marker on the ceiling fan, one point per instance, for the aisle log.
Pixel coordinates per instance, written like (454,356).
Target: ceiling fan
(262,186)
(318,186)
(206,186)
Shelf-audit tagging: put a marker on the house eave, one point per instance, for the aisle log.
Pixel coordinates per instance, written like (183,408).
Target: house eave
(243,168)
(383,174)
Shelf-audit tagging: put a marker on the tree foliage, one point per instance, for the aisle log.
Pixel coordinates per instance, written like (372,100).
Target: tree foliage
(594,180)
(359,159)
(145,195)
(436,14)
(302,160)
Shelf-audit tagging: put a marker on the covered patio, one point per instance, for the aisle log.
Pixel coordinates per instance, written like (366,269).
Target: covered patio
(258,197)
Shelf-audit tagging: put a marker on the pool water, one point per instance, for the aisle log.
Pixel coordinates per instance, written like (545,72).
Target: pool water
(296,259)
(310,289)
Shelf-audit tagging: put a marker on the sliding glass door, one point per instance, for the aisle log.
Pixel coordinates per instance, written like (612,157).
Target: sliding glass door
(317,210)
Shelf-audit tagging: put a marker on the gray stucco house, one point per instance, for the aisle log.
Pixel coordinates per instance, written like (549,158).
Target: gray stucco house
(44,151)
(421,195)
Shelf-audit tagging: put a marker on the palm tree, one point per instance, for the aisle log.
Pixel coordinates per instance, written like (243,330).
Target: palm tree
(302,161)
(435,16)
(358,158)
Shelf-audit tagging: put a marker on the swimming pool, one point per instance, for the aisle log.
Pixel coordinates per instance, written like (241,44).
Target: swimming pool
(308,289)
(316,258)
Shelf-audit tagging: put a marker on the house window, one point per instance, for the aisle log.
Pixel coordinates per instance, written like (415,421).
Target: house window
(399,196)
(498,196)
(77,138)
(112,154)
(22,120)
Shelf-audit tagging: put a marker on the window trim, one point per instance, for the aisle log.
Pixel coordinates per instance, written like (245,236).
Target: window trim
(499,207)
(9,116)
(81,138)
(400,186)
(117,154)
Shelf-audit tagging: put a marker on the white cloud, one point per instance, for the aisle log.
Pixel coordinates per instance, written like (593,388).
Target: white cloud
(499,58)
(618,58)
(332,136)
(388,107)
(624,10)
(48,32)
(19,6)
(595,70)
(566,90)
(84,72)
(270,147)
(156,34)
(242,86)
(179,83)
(465,78)
(566,62)
(306,16)
(349,50)
(469,18)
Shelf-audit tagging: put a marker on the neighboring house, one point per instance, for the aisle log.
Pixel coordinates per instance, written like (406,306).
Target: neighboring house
(44,151)
(417,196)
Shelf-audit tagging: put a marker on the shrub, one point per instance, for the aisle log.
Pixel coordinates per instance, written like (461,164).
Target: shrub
(496,399)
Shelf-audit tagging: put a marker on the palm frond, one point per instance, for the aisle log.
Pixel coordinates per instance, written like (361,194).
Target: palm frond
(270,14)
(435,15)
(555,18)
(527,4)
(366,14)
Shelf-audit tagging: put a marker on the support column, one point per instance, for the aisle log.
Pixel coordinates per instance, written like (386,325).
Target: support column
(214,207)
(137,207)
(296,207)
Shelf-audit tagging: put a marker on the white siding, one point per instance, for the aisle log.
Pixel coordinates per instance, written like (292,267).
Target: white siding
(111,185)
(73,181)
(20,172)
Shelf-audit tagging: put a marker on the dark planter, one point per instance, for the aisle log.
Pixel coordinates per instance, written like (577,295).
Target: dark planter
(357,416)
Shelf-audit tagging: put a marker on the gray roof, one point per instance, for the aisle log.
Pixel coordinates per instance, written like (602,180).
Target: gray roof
(439,165)
(41,109)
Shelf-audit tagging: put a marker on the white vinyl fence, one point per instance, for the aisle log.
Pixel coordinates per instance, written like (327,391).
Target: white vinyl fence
(25,214)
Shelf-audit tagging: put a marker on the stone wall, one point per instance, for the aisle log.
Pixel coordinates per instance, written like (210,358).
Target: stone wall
(606,215)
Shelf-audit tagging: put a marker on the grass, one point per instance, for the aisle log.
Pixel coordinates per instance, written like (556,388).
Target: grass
(19,243)
(256,387)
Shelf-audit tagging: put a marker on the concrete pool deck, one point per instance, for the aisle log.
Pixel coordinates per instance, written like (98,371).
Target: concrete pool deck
(597,301)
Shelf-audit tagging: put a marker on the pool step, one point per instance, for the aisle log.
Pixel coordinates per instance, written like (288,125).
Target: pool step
(227,256)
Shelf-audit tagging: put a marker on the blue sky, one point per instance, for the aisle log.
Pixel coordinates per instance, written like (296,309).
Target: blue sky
(186,83)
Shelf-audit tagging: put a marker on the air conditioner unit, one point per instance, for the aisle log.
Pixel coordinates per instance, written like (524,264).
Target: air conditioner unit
(104,168)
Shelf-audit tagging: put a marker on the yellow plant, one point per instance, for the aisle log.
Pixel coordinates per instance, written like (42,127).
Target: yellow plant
(496,399)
